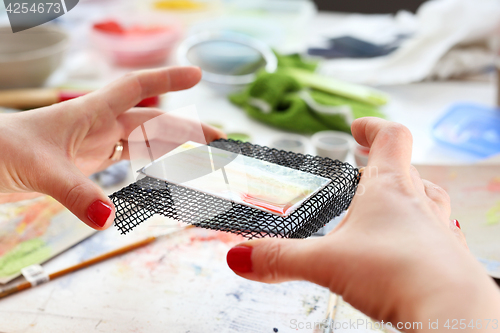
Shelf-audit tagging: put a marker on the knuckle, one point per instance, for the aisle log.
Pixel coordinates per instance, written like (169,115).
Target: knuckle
(398,182)
(441,193)
(271,261)
(436,208)
(394,132)
(168,79)
(398,130)
(414,172)
(130,76)
(437,192)
(134,83)
(74,196)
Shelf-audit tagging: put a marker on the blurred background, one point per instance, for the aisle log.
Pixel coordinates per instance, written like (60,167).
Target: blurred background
(276,67)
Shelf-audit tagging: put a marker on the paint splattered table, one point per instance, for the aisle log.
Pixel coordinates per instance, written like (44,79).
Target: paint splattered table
(177,284)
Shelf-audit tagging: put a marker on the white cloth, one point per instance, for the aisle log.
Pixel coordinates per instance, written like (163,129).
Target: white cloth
(437,26)
(462,60)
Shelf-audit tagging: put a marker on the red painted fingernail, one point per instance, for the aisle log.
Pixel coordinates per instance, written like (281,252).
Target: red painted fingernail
(98,213)
(239,259)
(457,224)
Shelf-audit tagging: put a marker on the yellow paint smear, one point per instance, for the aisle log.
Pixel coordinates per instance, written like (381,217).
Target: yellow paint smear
(178,5)
(493,214)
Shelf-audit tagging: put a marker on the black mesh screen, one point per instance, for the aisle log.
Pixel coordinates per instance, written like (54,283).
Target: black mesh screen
(148,196)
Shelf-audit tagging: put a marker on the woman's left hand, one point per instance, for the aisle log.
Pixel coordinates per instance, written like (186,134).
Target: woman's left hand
(53,150)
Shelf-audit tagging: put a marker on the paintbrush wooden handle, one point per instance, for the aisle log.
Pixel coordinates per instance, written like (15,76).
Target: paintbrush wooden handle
(14,289)
(26,285)
(102,257)
(28,98)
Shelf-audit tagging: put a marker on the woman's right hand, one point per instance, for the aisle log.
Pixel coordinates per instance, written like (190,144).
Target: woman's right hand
(396,256)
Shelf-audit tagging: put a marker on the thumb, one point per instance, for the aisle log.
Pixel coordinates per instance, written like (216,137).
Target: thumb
(68,185)
(278,260)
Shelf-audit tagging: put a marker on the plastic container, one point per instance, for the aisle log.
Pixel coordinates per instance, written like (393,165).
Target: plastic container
(290,142)
(136,40)
(332,144)
(471,128)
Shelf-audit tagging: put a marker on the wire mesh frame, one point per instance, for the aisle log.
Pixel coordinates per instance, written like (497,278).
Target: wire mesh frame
(148,196)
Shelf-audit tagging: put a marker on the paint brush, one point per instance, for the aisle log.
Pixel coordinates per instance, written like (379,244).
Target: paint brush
(333,302)
(40,97)
(26,284)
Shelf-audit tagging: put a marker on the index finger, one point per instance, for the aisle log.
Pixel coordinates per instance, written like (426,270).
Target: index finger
(390,143)
(128,91)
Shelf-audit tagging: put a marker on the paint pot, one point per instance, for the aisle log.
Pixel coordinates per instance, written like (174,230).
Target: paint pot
(239,136)
(28,58)
(228,61)
(332,144)
(290,142)
(136,39)
(361,155)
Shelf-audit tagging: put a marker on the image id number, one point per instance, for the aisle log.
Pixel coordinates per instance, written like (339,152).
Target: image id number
(23,8)
(461,324)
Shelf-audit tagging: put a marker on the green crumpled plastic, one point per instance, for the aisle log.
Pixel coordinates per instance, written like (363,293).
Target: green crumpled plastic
(288,111)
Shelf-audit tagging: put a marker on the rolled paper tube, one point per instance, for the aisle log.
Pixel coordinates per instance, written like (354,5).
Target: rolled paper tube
(36,98)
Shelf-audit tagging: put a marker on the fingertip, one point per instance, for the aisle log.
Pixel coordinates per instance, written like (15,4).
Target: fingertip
(198,71)
(272,260)
(239,259)
(68,185)
(390,143)
(212,133)
(100,214)
(220,135)
(456,229)
(359,129)
(192,74)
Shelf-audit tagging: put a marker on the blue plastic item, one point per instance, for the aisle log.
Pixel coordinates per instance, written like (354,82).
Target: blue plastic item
(471,128)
